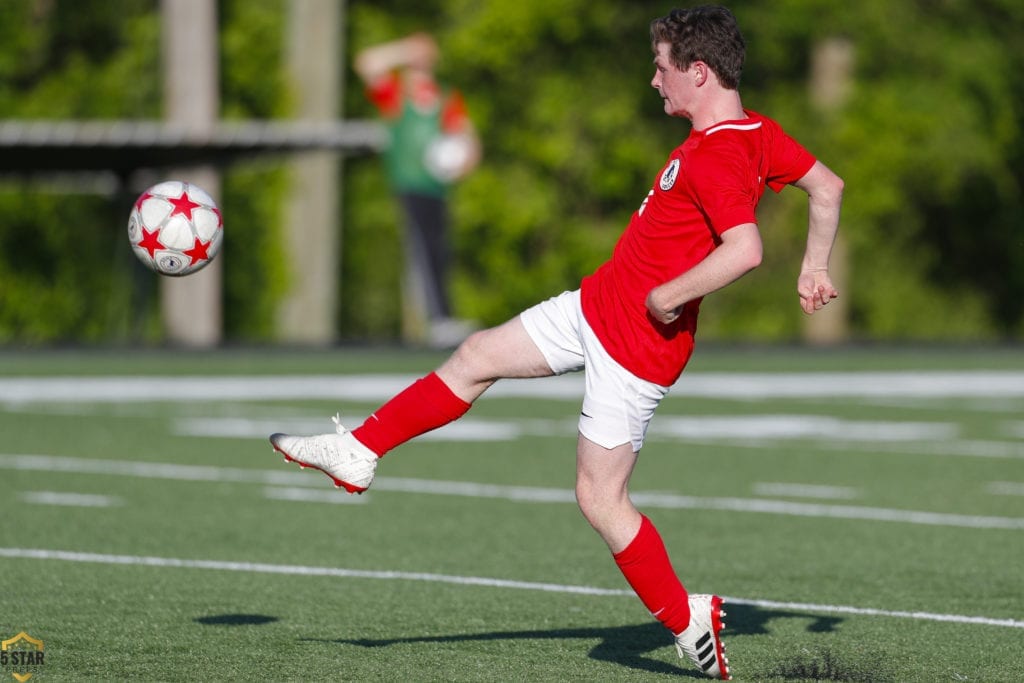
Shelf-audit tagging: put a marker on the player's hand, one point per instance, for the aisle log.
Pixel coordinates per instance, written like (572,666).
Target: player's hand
(662,313)
(815,290)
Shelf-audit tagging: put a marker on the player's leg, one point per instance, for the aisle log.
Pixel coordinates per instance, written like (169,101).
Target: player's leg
(434,227)
(602,479)
(350,458)
(445,395)
(617,407)
(425,217)
(503,352)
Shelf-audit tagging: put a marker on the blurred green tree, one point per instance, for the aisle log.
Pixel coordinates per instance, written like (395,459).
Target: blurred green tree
(66,272)
(928,139)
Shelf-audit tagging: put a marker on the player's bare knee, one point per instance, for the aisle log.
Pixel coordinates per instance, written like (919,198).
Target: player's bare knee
(469,356)
(595,504)
(469,370)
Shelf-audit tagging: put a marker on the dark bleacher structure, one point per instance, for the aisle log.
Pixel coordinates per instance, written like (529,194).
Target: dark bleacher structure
(30,148)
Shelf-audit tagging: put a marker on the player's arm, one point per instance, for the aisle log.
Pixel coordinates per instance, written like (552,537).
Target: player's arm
(825,196)
(378,61)
(739,253)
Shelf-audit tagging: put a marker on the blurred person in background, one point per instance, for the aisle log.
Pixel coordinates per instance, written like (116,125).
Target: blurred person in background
(432,145)
(630,326)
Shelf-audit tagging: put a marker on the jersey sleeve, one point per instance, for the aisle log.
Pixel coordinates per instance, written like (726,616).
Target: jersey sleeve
(789,161)
(722,181)
(386,94)
(454,114)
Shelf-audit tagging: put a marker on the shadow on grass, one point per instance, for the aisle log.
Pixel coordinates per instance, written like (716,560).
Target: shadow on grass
(622,645)
(750,620)
(235,620)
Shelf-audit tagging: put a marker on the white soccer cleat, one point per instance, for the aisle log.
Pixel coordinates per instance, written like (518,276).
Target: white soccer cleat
(700,641)
(340,456)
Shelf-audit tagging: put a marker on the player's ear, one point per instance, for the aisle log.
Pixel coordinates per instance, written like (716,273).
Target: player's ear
(700,73)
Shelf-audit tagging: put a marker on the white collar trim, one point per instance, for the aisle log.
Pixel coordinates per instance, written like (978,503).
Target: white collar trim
(733,126)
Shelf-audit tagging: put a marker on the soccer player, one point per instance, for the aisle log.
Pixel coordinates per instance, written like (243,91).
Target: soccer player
(422,117)
(630,325)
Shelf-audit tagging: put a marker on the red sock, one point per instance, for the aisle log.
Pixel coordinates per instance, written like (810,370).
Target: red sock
(646,566)
(424,405)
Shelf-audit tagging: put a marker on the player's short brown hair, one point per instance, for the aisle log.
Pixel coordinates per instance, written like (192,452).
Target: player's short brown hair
(708,34)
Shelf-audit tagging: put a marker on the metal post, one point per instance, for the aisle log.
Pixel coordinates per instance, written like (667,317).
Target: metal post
(308,314)
(192,305)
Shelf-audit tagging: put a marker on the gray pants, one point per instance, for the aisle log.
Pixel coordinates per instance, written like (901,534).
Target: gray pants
(427,253)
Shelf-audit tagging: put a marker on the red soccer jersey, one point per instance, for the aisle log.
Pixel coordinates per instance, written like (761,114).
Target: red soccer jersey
(712,182)
(388,95)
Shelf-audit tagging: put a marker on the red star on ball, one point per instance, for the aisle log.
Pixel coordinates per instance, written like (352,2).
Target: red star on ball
(143,197)
(150,242)
(183,205)
(198,251)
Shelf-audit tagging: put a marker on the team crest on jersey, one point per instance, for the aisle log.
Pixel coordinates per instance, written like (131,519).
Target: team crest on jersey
(668,177)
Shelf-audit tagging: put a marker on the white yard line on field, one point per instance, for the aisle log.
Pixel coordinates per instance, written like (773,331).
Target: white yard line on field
(1006,488)
(304,495)
(529,494)
(794,490)
(378,387)
(877,436)
(337,572)
(715,428)
(745,431)
(69,499)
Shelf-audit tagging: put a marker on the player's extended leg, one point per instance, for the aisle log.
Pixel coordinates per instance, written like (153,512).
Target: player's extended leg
(350,458)
(602,479)
(503,352)
(506,351)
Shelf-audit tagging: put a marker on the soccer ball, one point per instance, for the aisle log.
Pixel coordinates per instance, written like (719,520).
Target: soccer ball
(175,228)
(447,157)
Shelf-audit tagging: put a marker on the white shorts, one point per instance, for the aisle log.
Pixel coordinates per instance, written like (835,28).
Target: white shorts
(617,405)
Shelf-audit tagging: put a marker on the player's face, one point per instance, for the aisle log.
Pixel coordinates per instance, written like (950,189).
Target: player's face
(676,87)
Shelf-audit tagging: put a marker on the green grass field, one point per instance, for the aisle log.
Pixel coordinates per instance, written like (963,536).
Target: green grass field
(862,511)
